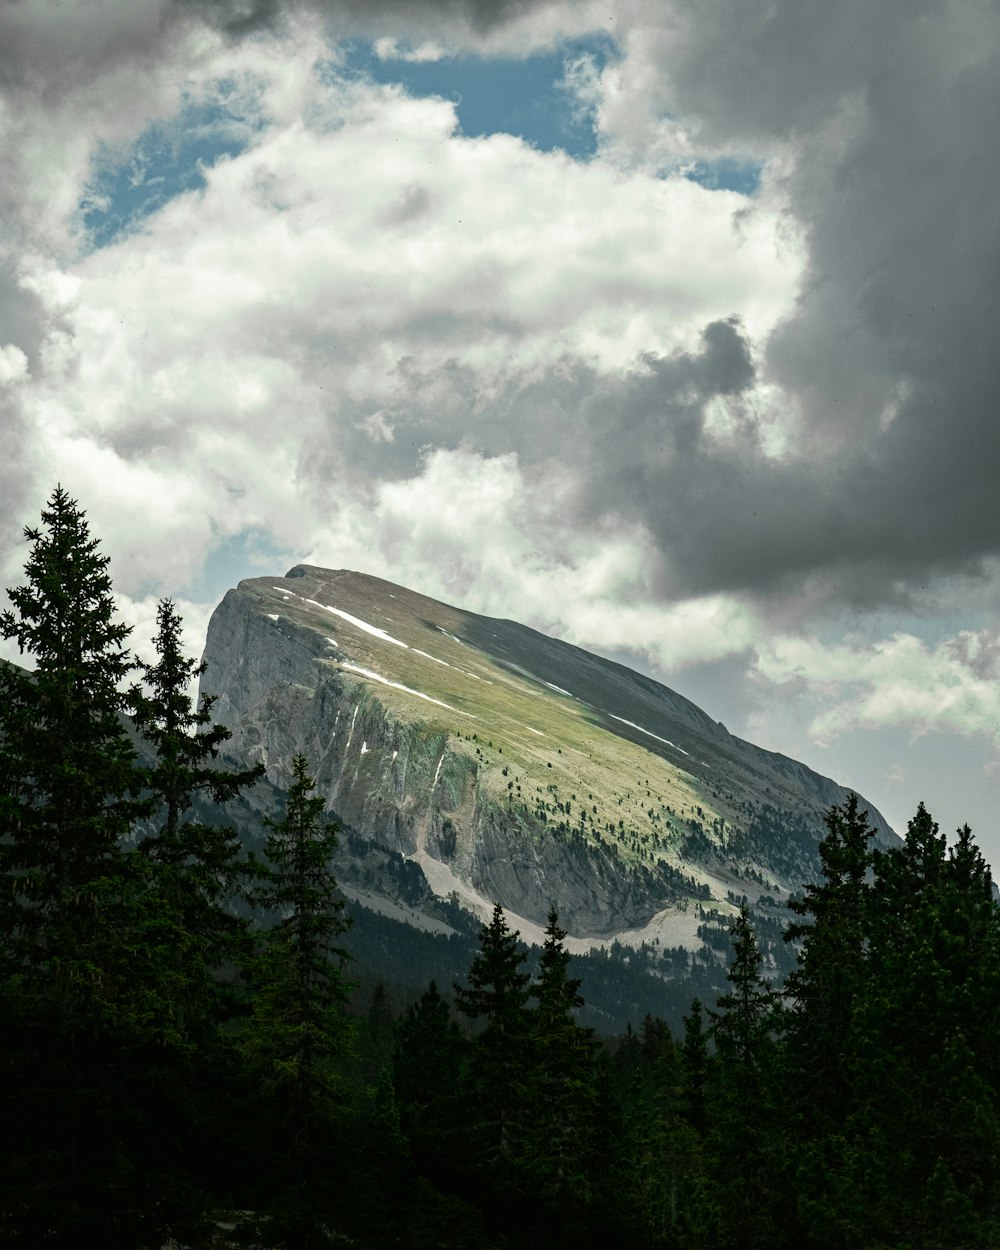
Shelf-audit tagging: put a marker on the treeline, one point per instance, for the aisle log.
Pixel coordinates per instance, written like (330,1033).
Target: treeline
(181,1066)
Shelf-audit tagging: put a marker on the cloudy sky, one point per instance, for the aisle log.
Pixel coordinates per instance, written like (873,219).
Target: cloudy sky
(670,328)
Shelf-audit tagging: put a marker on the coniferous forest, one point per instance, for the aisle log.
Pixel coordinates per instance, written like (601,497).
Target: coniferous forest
(184,1063)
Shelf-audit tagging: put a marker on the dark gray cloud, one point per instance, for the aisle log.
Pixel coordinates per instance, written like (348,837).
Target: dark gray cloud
(47,51)
(21,313)
(241,17)
(890,358)
(892,351)
(868,523)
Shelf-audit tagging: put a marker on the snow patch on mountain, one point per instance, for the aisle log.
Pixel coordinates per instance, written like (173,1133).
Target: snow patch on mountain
(358,623)
(398,685)
(427,656)
(559,689)
(649,732)
(451,636)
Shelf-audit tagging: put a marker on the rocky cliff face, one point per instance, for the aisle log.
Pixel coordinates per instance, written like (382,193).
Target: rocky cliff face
(509,766)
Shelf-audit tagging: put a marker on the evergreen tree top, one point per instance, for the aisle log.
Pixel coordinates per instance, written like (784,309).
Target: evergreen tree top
(68,780)
(64,616)
(498,984)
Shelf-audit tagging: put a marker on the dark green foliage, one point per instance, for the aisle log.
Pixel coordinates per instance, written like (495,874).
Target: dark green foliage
(558,1144)
(695,1064)
(654,1185)
(496,998)
(377,1035)
(184,743)
(832,967)
(196,866)
(924,1049)
(430,1053)
(67,768)
(742,1099)
(826,991)
(298,1034)
(892,1049)
(747,1017)
(91,1043)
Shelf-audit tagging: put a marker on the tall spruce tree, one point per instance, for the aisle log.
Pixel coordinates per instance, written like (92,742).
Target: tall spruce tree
(185,744)
(298,1034)
(923,1134)
(196,864)
(84,986)
(428,1060)
(654,1184)
(68,777)
(196,929)
(695,1064)
(832,963)
(558,1146)
(743,1105)
(825,993)
(497,996)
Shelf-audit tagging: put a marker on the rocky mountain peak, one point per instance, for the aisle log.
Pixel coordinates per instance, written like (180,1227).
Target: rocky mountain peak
(507,765)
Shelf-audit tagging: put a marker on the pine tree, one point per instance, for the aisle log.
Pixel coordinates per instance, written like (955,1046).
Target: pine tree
(923,1133)
(67,769)
(695,1065)
(429,1057)
(196,931)
(743,1103)
(831,971)
(654,1184)
(298,1035)
(497,996)
(826,990)
(196,866)
(85,987)
(185,744)
(558,1141)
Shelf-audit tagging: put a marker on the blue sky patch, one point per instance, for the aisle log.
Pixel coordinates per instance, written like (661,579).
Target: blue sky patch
(728,174)
(495,95)
(166,160)
(250,553)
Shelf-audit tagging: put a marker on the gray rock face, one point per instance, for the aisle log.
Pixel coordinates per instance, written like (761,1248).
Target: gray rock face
(511,766)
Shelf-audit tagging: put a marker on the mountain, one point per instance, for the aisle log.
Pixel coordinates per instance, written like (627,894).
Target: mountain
(475,761)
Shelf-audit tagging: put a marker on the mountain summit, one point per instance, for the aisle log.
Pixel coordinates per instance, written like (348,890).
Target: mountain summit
(508,766)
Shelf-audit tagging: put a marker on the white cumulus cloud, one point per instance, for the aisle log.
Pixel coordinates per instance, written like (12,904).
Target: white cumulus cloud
(951,687)
(13,364)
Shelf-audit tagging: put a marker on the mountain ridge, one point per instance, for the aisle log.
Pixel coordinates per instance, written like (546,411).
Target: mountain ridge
(507,765)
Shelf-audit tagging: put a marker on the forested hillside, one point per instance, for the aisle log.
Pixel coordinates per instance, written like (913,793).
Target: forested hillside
(188,1062)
